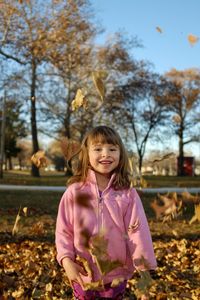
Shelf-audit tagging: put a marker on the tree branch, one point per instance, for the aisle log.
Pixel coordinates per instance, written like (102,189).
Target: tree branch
(8,56)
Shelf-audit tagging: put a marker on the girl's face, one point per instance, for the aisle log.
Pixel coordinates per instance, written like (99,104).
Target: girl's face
(103,158)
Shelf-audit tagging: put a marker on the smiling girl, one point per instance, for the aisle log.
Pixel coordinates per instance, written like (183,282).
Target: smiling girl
(101,221)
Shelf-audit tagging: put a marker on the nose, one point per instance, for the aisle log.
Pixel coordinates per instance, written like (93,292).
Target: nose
(105,152)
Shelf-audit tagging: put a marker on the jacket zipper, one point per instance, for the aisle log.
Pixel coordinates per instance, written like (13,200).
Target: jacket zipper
(99,211)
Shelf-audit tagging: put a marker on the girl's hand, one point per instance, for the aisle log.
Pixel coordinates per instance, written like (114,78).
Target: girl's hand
(73,271)
(145,297)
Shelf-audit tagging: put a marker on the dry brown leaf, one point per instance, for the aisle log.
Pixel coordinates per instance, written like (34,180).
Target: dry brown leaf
(86,265)
(176,119)
(83,199)
(98,82)
(166,156)
(98,249)
(117,281)
(79,101)
(95,286)
(196,216)
(171,207)
(192,39)
(186,196)
(69,147)
(25,210)
(16,225)
(159,29)
(39,159)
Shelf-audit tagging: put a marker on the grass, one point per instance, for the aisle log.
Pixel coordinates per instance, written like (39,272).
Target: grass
(171,181)
(43,206)
(25,178)
(59,179)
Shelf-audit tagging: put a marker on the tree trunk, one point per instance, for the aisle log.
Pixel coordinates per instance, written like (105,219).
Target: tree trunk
(181,153)
(140,163)
(67,125)
(10,166)
(34,171)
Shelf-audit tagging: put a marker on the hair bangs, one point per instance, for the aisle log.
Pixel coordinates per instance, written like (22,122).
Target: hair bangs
(103,138)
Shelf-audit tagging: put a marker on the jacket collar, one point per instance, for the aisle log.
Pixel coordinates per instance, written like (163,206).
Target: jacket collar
(91,177)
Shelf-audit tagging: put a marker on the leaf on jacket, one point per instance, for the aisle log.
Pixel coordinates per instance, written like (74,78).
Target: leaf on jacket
(134,226)
(39,159)
(99,251)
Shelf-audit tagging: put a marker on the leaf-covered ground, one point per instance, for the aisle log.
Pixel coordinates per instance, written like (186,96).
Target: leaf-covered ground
(28,267)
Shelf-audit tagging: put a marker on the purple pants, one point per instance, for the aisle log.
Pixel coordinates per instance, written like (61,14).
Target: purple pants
(108,293)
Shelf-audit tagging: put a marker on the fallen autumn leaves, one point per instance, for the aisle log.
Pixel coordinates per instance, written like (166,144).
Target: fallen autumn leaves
(28,268)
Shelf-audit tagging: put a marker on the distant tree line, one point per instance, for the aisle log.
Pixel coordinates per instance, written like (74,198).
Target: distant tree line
(48,51)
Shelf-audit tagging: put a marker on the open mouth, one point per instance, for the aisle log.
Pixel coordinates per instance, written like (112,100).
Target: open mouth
(105,162)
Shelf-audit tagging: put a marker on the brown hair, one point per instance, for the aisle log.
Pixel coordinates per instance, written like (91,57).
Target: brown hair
(104,135)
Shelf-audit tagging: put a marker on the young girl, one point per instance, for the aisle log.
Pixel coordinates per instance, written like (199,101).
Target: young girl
(102,234)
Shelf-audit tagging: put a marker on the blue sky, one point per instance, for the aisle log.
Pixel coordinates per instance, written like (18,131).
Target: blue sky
(176,18)
(166,50)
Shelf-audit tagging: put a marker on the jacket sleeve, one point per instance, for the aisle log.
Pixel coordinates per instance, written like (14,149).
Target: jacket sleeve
(64,228)
(139,237)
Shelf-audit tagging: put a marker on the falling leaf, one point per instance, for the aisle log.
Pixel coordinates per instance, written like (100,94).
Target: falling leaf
(39,159)
(69,147)
(85,264)
(144,283)
(189,197)
(117,281)
(83,199)
(176,118)
(98,82)
(166,156)
(193,39)
(159,29)
(99,251)
(95,286)
(196,216)
(79,101)
(16,225)
(171,207)
(25,210)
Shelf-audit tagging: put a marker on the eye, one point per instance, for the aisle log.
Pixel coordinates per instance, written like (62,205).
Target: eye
(97,149)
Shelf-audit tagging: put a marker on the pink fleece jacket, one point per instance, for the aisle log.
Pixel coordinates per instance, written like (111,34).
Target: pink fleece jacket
(119,214)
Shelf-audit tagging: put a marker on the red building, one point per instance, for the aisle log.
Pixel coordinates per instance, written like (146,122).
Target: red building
(188,165)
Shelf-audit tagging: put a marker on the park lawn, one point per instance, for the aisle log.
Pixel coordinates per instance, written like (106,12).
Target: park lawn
(42,207)
(52,178)
(28,259)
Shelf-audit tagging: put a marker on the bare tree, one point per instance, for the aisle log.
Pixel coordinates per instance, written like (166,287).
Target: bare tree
(184,103)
